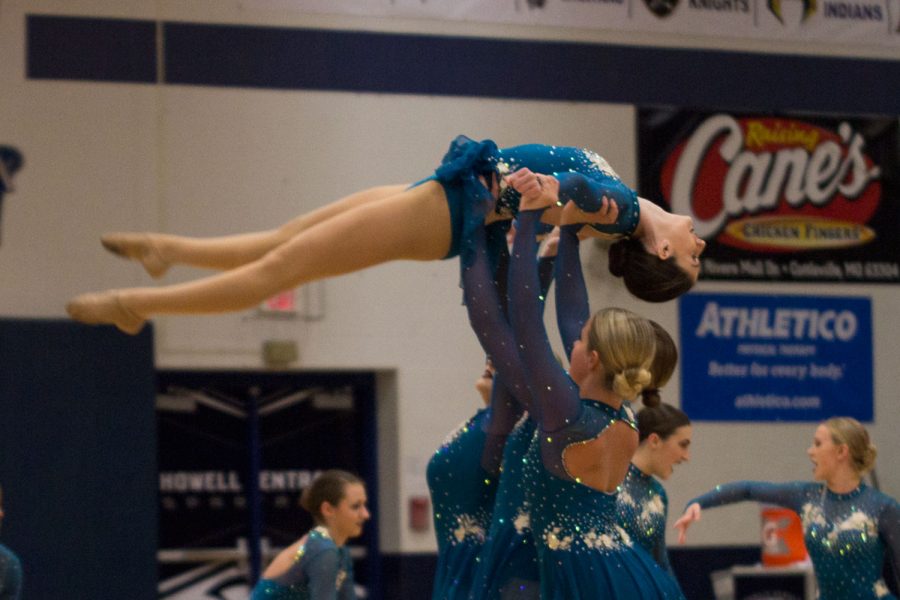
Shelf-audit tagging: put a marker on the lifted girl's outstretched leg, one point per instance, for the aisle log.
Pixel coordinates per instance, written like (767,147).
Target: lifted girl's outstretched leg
(414,225)
(158,251)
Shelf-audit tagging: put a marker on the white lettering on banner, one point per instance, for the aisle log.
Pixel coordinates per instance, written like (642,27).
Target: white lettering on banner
(229,481)
(858,12)
(199,481)
(746,401)
(283,481)
(756,181)
(783,323)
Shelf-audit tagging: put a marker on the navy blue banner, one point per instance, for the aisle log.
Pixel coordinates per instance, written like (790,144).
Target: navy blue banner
(776,358)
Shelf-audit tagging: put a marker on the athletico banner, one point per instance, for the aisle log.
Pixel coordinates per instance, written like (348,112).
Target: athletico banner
(775,358)
(779,198)
(860,22)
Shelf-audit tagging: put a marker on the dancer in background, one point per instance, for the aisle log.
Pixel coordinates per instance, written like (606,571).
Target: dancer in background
(847,525)
(426,221)
(10,568)
(585,438)
(665,439)
(318,565)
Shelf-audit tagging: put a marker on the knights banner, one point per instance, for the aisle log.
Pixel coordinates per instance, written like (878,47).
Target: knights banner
(854,22)
(779,197)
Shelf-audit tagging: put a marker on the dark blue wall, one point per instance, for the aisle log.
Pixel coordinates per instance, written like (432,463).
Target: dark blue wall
(78,459)
(279,58)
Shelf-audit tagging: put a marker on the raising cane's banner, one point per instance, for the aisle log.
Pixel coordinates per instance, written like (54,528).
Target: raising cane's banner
(779,198)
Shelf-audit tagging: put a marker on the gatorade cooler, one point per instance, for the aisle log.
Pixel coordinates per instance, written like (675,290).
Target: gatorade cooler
(782,537)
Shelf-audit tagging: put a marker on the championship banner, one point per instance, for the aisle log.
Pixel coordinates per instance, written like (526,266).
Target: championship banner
(776,358)
(860,22)
(779,198)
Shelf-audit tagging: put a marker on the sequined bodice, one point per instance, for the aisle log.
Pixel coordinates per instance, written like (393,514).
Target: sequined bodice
(462,492)
(845,534)
(566,514)
(642,506)
(511,506)
(564,161)
(321,570)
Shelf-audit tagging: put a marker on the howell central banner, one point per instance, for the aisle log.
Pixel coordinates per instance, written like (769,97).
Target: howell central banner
(785,198)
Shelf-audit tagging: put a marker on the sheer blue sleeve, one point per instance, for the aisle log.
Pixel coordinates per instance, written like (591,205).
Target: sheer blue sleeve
(488,321)
(788,495)
(660,553)
(587,193)
(554,393)
(889,531)
(572,309)
(505,411)
(322,571)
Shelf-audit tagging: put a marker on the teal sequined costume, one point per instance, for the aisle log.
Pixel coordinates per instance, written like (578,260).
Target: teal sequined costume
(584,176)
(846,535)
(462,496)
(582,551)
(321,571)
(643,508)
(10,575)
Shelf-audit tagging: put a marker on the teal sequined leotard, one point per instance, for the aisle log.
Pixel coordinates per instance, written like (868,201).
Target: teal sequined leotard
(845,534)
(462,496)
(643,508)
(321,571)
(10,575)
(584,176)
(582,551)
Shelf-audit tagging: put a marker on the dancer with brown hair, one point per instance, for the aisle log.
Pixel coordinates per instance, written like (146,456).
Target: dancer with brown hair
(428,220)
(318,565)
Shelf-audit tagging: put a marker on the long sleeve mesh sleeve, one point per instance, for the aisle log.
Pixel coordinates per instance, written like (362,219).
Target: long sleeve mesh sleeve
(572,309)
(488,321)
(788,495)
(554,393)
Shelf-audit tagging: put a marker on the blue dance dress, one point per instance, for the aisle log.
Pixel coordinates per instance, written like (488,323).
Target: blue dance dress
(462,497)
(584,176)
(321,571)
(643,508)
(508,567)
(10,575)
(582,551)
(845,534)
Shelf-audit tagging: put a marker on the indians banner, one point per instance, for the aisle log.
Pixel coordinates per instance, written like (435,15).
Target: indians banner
(854,22)
(779,197)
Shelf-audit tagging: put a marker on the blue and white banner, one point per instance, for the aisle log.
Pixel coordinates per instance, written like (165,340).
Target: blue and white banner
(775,358)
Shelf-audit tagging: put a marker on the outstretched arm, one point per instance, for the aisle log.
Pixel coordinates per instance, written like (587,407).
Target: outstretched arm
(551,388)
(572,309)
(789,495)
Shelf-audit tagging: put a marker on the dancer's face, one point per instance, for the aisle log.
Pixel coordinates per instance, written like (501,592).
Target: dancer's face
(671,451)
(677,238)
(485,383)
(346,520)
(824,454)
(582,357)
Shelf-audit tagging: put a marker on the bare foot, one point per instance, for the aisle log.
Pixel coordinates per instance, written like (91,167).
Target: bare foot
(105,308)
(140,247)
